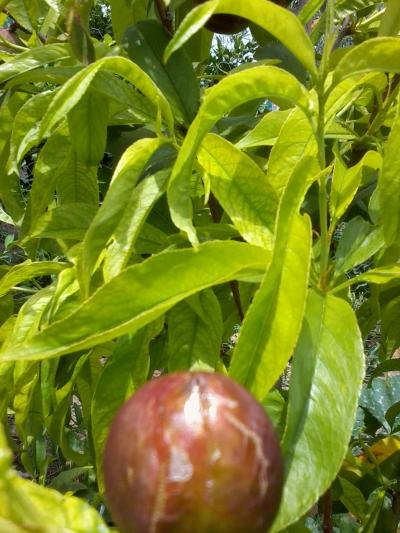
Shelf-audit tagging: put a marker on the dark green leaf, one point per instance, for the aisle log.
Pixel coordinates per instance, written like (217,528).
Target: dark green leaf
(195,333)
(126,369)
(87,123)
(145,44)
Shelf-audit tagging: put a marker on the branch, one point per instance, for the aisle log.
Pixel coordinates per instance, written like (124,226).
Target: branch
(165,15)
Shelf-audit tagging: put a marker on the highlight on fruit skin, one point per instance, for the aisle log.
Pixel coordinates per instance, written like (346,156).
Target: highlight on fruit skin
(192,452)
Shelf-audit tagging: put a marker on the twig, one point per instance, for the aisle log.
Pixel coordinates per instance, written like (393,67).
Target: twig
(344,30)
(165,16)
(326,501)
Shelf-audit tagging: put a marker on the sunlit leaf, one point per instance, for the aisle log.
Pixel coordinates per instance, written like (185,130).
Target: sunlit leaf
(115,310)
(242,189)
(273,321)
(325,384)
(232,91)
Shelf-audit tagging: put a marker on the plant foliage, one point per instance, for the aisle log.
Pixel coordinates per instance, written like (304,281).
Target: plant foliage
(153,199)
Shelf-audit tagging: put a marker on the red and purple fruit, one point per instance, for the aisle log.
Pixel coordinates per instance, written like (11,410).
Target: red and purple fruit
(192,452)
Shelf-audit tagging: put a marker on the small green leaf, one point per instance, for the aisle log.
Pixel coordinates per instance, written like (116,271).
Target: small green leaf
(389,186)
(352,498)
(195,333)
(25,132)
(48,168)
(327,371)
(295,140)
(345,183)
(81,42)
(360,241)
(378,275)
(33,58)
(28,270)
(266,132)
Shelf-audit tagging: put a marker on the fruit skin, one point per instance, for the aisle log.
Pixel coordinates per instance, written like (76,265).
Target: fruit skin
(230,24)
(192,452)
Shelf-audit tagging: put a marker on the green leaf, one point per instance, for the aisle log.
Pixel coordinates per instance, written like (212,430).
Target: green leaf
(352,498)
(69,221)
(28,270)
(378,275)
(57,422)
(33,58)
(50,165)
(276,20)
(360,241)
(390,334)
(145,44)
(116,203)
(221,99)
(126,369)
(28,418)
(10,191)
(273,321)
(26,506)
(81,42)
(380,54)
(242,189)
(326,379)
(266,132)
(115,310)
(389,186)
(77,182)
(390,23)
(74,89)
(195,333)
(309,9)
(374,512)
(25,132)
(87,123)
(125,13)
(130,225)
(295,140)
(345,183)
